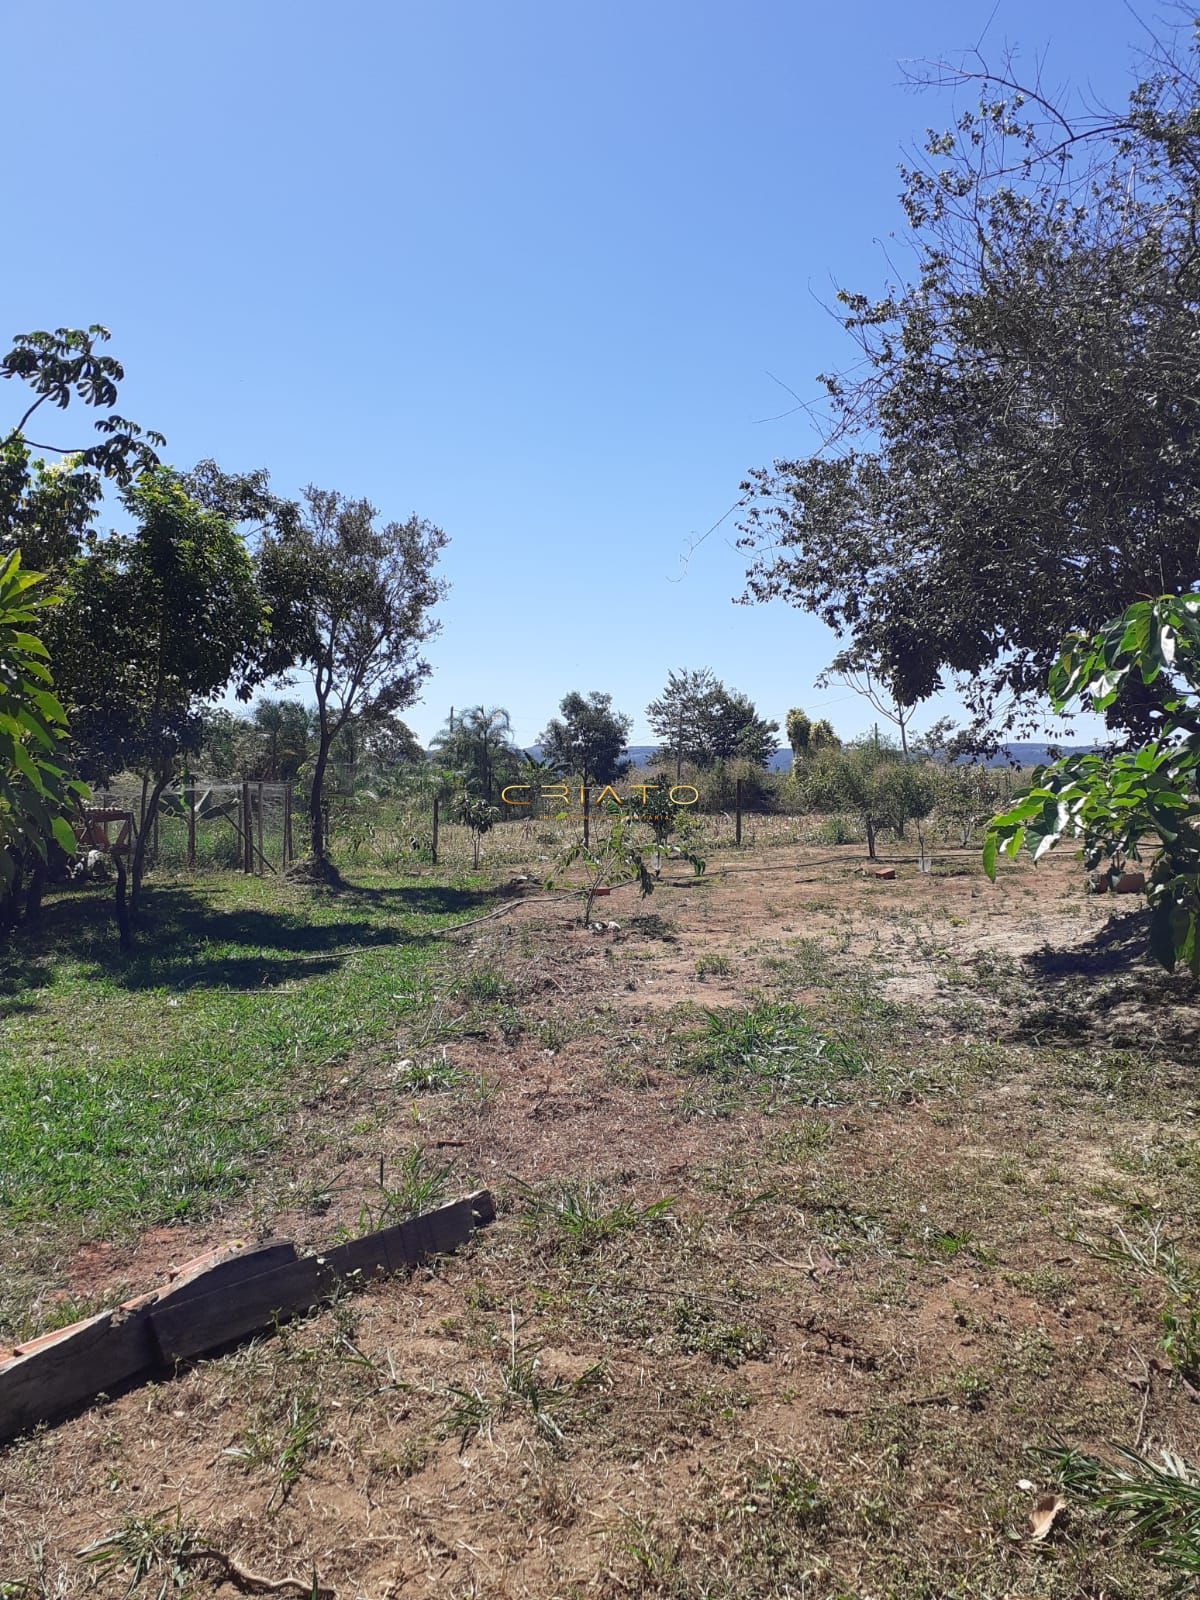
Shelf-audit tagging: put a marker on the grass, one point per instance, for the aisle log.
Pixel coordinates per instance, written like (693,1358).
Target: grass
(581,1214)
(142,1090)
(772,1045)
(411,1186)
(517,1384)
(1157,1503)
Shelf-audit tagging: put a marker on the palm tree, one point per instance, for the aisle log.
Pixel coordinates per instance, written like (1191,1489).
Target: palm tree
(480,743)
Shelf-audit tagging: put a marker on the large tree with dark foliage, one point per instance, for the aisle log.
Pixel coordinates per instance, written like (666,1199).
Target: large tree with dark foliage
(1016,453)
(697,719)
(588,739)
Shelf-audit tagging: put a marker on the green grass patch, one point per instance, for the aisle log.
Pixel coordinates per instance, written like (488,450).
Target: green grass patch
(140,1088)
(775,1046)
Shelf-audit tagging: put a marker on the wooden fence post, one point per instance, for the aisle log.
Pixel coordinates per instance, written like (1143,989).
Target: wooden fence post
(737,826)
(191,824)
(261,858)
(247,834)
(433,849)
(586,794)
(287,825)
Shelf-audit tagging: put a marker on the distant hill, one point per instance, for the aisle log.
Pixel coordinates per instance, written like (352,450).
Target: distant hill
(1023,754)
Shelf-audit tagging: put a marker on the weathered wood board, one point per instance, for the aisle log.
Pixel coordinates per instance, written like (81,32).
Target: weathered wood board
(213,1301)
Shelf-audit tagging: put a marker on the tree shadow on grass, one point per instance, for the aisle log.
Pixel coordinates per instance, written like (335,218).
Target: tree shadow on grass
(183,941)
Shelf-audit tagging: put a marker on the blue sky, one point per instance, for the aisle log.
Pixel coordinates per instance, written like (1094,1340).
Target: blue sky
(526,269)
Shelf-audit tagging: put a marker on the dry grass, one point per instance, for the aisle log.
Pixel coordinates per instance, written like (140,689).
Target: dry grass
(811,1197)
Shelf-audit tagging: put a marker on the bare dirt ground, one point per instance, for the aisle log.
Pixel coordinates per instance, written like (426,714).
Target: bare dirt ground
(824,1205)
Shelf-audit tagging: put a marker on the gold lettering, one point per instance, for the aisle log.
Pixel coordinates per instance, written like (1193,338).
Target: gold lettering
(505,793)
(676,788)
(558,790)
(607,789)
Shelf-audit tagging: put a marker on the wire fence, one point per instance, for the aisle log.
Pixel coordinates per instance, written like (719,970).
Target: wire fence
(261,827)
(246,826)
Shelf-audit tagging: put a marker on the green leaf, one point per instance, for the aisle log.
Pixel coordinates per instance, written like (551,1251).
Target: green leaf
(989,854)
(65,835)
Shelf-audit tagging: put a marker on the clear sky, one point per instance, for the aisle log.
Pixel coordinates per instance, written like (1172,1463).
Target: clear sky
(529,269)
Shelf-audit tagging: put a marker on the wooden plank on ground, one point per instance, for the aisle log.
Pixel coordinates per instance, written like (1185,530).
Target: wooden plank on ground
(405,1244)
(218,1298)
(205,1322)
(226,1265)
(57,1373)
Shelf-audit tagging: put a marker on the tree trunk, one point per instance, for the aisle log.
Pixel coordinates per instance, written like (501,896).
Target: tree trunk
(316,813)
(33,895)
(124,932)
(138,864)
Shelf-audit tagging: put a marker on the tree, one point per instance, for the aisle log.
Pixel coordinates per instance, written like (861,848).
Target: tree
(353,600)
(806,737)
(479,817)
(876,782)
(182,617)
(66,365)
(389,743)
(677,717)
(1017,454)
(479,745)
(589,739)
(731,729)
(1139,802)
(281,739)
(698,720)
(36,795)
(967,796)
(617,856)
(47,512)
(799,732)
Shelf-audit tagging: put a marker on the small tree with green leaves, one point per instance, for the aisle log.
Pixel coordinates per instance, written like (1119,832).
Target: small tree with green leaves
(479,816)
(873,780)
(1141,804)
(619,855)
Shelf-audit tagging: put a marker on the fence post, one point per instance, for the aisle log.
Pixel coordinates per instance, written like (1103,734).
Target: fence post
(261,857)
(737,826)
(587,813)
(287,824)
(433,848)
(191,822)
(247,836)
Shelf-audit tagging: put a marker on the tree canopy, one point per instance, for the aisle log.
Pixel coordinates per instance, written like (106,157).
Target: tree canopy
(353,599)
(479,745)
(1016,451)
(588,738)
(698,720)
